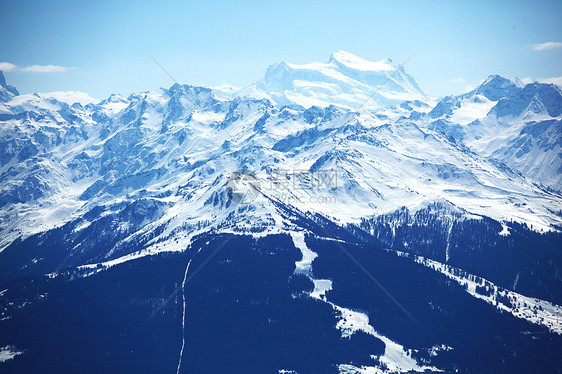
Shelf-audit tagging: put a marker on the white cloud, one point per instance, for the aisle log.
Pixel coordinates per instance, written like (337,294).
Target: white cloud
(456,80)
(547,45)
(554,80)
(469,88)
(6,66)
(44,69)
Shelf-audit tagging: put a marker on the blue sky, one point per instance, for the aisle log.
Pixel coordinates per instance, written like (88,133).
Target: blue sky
(101,46)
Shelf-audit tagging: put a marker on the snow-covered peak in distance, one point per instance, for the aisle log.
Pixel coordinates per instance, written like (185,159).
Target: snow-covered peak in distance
(114,98)
(503,119)
(6,91)
(69,97)
(345,80)
(495,87)
(351,61)
(2,79)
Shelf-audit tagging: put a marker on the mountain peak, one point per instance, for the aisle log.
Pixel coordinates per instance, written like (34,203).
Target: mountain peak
(496,80)
(352,61)
(115,98)
(6,91)
(495,87)
(346,80)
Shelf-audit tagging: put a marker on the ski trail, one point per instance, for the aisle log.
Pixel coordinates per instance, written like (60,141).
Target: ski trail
(304,266)
(183,316)
(449,231)
(395,359)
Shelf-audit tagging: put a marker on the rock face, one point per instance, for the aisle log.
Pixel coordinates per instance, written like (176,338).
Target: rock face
(6,92)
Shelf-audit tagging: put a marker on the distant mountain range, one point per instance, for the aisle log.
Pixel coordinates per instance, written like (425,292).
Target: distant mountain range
(273,194)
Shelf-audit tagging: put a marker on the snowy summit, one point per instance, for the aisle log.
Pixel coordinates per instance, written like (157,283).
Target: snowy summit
(345,80)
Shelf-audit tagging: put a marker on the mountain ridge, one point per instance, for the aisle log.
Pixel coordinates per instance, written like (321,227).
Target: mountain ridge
(130,130)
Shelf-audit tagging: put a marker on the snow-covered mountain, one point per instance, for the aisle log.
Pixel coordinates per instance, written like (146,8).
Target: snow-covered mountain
(518,125)
(129,198)
(345,80)
(158,143)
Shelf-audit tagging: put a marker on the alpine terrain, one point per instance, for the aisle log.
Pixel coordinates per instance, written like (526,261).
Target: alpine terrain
(330,218)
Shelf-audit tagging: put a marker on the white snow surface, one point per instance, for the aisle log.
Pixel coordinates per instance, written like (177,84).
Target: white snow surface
(9,352)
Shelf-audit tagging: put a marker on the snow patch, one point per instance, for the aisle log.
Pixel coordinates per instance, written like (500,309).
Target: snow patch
(8,352)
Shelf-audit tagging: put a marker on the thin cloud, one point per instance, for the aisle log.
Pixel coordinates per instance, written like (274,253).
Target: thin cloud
(547,45)
(45,69)
(6,66)
(456,80)
(553,80)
